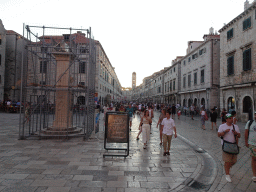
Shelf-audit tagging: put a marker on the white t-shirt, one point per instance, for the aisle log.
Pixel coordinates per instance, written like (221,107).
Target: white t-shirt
(252,134)
(168,126)
(229,136)
(150,113)
(139,107)
(203,113)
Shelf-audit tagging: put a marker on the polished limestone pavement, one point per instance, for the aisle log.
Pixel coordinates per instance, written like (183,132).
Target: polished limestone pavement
(71,165)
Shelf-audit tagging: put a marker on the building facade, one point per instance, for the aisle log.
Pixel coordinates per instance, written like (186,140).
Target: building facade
(2,60)
(238,64)
(15,47)
(171,83)
(107,85)
(200,73)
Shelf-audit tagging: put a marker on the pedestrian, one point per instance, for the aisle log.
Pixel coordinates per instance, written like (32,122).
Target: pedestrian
(173,110)
(228,132)
(192,110)
(222,115)
(202,113)
(250,142)
(122,109)
(140,126)
(168,127)
(179,113)
(233,113)
(130,112)
(214,116)
(161,117)
(145,121)
(151,115)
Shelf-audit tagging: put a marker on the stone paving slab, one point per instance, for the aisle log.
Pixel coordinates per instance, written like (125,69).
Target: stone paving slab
(77,165)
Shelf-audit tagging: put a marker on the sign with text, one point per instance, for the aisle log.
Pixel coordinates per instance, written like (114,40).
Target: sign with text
(117,127)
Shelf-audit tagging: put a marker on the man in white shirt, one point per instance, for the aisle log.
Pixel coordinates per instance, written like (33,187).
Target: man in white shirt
(168,126)
(228,133)
(250,142)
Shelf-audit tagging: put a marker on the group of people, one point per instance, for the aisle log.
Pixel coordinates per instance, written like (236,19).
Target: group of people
(165,124)
(229,132)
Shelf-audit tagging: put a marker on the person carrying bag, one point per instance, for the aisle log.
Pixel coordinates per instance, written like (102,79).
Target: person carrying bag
(228,133)
(231,148)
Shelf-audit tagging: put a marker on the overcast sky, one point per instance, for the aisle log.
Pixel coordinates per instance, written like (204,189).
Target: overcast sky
(141,36)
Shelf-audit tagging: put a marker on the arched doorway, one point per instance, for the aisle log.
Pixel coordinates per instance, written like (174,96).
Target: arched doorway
(203,102)
(231,104)
(184,102)
(81,100)
(247,107)
(190,102)
(195,102)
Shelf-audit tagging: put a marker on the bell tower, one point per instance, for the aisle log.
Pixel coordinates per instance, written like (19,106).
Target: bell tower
(133,80)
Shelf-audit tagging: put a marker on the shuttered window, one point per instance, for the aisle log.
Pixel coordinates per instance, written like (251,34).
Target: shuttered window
(184,82)
(173,85)
(230,34)
(247,23)
(189,80)
(230,65)
(195,78)
(202,76)
(247,60)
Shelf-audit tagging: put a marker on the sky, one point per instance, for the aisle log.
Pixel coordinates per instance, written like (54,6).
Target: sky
(141,36)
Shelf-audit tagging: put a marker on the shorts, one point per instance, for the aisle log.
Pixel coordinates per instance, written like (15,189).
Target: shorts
(130,119)
(253,153)
(229,158)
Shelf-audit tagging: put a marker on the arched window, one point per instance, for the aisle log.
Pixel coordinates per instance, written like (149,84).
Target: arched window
(189,102)
(231,104)
(203,102)
(247,107)
(184,102)
(195,102)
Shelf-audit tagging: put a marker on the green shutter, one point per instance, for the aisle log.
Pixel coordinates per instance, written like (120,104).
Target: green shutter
(249,58)
(249,22)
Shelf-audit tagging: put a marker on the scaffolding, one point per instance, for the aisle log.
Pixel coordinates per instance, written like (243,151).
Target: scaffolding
(57,82)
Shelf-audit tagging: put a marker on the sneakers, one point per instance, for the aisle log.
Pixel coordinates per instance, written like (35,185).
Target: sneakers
(165,153)
(137,138)
(228,178)
(144,147)
(254,179)
(168,153)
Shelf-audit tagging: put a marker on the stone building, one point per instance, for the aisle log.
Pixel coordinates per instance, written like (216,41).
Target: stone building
(200,73)
(2,60)
(15,47)
(107,85)
(238,64)
(171,82)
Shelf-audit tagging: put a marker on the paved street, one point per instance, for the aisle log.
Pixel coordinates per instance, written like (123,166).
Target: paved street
(76,165)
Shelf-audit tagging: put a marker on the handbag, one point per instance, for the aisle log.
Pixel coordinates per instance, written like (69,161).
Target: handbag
(205,117)
(231,148)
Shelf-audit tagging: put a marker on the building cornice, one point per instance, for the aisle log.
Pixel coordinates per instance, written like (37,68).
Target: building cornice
(243,14)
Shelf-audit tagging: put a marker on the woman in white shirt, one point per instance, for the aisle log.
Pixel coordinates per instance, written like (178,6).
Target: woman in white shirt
(145,122)
(202,113)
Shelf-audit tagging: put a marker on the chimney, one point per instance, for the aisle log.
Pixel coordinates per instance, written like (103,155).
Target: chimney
(246,5)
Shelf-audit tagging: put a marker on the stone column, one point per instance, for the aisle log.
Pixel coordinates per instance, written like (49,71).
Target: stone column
(63,100)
